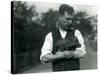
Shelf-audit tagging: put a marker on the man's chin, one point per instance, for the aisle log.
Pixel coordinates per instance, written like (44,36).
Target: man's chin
(65,28)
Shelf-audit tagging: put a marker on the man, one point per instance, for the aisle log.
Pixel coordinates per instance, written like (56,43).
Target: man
(63,60)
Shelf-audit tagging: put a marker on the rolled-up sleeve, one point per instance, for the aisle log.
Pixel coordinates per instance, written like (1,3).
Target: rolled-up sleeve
(47,46)
(81,51)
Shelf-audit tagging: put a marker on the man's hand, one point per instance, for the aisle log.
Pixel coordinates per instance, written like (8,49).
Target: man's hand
(60,54)
(68,54)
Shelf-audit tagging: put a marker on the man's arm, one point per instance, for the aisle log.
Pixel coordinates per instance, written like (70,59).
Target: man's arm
(79,52)
(53,57)
(46,51)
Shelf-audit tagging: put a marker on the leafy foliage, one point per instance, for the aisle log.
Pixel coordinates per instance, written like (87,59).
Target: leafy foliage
(24,29)
(49,19)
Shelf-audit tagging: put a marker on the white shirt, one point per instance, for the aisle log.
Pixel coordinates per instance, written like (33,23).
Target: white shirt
(48,44)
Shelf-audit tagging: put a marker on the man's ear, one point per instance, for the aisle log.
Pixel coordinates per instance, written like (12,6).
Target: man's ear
(60,18)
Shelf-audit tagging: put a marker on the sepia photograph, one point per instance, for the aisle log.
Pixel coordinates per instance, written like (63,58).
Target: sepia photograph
(53,37)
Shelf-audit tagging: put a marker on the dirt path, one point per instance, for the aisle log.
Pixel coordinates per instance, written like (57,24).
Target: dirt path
(90,59)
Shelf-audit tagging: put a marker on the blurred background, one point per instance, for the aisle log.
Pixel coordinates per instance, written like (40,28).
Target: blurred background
(31,21)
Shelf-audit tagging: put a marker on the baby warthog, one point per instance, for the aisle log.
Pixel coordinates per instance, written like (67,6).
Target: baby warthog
(69,44)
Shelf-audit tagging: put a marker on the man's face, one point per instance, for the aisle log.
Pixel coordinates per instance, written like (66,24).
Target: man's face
(65,21)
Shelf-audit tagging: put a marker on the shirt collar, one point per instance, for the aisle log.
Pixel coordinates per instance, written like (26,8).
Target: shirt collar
(62,30)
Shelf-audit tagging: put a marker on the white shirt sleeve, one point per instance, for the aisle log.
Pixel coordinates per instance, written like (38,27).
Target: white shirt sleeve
(47,46)
(80,52)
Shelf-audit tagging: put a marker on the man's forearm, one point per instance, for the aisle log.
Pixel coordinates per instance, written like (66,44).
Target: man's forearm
(78,53)
(52,57)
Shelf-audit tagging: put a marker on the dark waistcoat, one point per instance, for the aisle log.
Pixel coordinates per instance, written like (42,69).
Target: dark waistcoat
(64,64)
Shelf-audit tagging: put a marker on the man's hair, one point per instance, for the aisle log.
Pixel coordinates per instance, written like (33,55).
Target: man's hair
(65,8)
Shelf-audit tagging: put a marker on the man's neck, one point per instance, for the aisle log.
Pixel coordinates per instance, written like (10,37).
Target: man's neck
(62,33)
(61,29)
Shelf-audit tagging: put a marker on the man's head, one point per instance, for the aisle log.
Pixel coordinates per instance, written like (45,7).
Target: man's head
(65,16)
